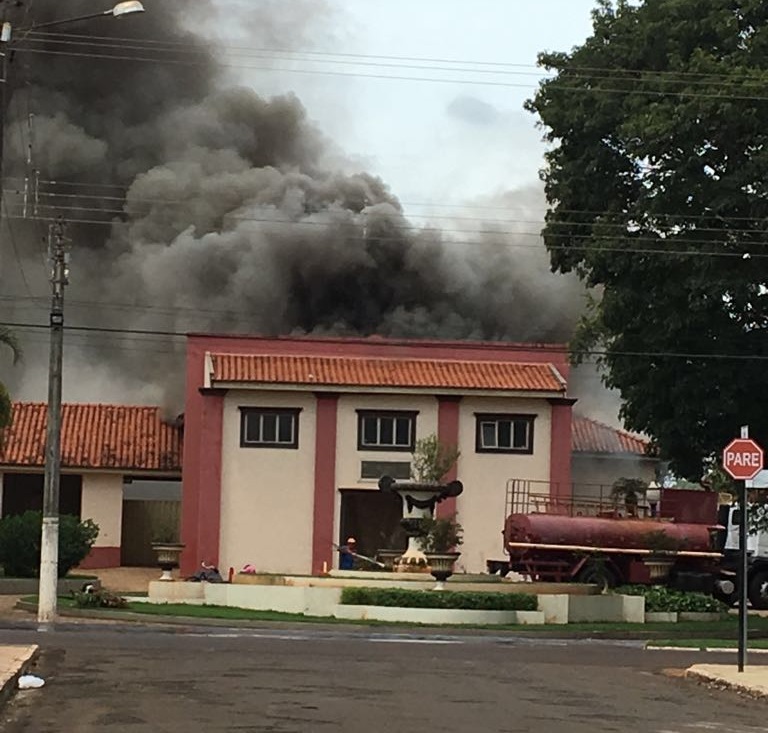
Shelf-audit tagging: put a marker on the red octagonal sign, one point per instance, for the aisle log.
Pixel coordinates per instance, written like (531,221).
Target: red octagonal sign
(743,459)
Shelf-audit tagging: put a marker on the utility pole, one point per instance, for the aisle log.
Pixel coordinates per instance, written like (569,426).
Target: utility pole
(49,549)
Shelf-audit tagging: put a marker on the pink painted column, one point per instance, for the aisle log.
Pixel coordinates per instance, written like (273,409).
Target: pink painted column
(325,482)
(448,434)
(201,517)
(561,448)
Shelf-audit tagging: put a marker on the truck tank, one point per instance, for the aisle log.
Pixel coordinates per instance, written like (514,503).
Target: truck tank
(552,529)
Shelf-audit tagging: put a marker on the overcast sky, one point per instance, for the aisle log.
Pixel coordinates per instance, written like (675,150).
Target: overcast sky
(440,141)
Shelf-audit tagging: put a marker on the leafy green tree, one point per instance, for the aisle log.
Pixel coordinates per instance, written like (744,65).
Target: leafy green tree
(658,199)
(7,338)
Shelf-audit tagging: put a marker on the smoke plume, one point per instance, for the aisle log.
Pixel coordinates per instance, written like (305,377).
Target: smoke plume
(203,206)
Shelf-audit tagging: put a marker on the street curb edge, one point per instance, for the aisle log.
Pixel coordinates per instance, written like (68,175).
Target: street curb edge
(711,679)
(10,684)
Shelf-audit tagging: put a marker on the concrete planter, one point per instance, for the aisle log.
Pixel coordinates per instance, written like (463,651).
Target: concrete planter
(441,566)
(611,608)
(692,616)
(661,617)
(168,554)
(437,616)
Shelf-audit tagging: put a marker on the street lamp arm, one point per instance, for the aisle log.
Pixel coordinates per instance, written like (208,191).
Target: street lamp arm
(124,8)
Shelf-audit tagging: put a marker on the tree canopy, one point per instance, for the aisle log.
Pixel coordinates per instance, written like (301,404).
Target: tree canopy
(7,338)
(658,199)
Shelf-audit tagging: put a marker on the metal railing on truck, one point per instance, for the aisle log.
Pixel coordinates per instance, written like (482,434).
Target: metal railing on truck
(529,496)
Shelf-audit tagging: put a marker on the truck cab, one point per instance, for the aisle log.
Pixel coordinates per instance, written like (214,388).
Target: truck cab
(729,517)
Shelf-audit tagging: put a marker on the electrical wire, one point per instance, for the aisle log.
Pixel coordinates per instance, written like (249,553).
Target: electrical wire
(15,249)
(437,63)
(543,348)
(620,227)
(426,204)
(478,82)
(744,253)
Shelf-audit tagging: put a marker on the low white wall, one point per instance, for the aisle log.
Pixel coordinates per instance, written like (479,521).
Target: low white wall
(554,608)
(286,599)
(437,616)
(658,617)
(326,601)
(163,591)
(629,609)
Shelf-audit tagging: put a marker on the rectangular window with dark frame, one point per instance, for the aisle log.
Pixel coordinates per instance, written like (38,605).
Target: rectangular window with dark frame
(504,433)
(269,427)
(390,430)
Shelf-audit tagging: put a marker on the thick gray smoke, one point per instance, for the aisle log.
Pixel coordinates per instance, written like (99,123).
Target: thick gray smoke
(209,208)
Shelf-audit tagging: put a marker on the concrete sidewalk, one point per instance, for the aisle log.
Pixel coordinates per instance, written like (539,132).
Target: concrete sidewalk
(14,662)
(752,681)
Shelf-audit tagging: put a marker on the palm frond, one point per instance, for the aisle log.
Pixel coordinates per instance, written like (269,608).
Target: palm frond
(6,412)
(8,338)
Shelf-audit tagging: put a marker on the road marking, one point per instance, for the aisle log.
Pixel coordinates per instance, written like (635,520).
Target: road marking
(415,641)
(708,649)
(709,726)
(307,637)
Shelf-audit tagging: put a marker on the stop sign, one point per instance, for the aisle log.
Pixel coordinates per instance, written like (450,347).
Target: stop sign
(743,459)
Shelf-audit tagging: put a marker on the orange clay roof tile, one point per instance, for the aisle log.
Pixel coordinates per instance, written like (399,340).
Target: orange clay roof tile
(95,436)
(591,436)
(376,372)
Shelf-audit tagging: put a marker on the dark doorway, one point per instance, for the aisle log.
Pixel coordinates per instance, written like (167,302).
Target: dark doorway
(373,519)
(23,492)
(139,520)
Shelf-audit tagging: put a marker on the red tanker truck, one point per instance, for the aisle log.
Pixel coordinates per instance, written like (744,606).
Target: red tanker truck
(678,541)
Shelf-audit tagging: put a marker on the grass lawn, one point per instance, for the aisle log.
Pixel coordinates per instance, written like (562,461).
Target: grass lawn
(709,643)
(702,633)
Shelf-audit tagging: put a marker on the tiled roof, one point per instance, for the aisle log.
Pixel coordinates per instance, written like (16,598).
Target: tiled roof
(376,372)
(95,436)
(591,436)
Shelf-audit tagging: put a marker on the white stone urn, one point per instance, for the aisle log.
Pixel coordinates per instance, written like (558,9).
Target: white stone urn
(441,566)
(168,554)
(419,502)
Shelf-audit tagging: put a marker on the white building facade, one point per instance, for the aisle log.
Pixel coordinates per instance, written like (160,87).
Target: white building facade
(285,440)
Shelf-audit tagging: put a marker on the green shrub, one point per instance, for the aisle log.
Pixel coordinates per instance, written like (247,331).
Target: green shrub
(98,598)
(659,598)
(20,543)
(467,601)
(440,534)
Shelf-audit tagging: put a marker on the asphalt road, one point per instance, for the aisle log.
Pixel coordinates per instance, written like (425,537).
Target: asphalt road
(137,680)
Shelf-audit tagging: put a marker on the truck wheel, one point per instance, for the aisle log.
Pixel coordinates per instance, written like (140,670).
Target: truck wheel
(730,599)
(597,574)
(757,590)
(498,568)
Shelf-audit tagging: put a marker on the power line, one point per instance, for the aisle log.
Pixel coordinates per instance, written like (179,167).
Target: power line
(15,248)
(470,82)
(425,204)
(535,69)
(544,348)
(620,227)
(674,250)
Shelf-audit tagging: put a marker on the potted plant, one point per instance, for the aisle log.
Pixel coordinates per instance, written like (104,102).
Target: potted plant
(165,540)
(439,539)
(663,549)
(630,490)
(432,460)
